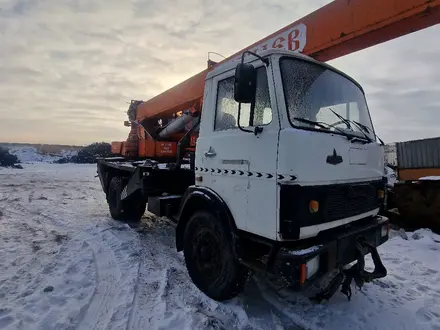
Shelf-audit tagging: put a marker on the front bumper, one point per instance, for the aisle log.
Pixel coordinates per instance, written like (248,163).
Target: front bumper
(302,266)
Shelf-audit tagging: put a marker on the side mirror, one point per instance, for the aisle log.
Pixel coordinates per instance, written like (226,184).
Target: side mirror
(245,83)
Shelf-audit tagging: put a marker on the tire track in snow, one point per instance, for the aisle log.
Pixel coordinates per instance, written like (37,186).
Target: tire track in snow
(276,301)
(166,298)
(126,246)
(32,204)
(147,299)
(70,266)
(97,313)
(116,264)
(150,283)
(39,212)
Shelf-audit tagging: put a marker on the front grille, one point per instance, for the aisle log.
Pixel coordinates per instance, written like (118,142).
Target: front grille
(335,202)
(345,201)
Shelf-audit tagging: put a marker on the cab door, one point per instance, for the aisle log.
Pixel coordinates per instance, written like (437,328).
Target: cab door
(241,166)
(222,155)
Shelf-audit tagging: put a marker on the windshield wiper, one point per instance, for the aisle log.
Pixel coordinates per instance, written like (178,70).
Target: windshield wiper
(347,122)
(369,130)
(322,125)
(311,122)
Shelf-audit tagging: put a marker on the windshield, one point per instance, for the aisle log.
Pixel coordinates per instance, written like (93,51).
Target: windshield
(315,93)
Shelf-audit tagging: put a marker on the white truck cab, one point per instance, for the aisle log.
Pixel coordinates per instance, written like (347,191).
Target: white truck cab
(302,156)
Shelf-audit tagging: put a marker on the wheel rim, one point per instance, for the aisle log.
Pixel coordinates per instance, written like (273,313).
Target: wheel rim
(208,255)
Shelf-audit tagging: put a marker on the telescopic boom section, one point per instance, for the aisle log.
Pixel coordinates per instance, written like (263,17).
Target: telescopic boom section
(337,29)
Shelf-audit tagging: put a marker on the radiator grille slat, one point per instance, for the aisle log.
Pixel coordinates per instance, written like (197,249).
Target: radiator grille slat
(345,201)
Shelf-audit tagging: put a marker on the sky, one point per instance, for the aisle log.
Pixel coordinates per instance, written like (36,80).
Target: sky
(69,67)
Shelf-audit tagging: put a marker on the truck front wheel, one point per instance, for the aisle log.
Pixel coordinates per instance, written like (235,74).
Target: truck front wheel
(120,210)
(210,260)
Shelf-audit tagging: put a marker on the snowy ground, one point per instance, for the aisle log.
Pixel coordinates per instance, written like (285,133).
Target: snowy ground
(66,265)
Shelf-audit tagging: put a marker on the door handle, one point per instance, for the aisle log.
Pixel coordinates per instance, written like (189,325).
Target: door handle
(210,153)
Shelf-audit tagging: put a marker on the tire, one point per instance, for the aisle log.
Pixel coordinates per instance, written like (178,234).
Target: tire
(123,211)
(114,198)
(209,258)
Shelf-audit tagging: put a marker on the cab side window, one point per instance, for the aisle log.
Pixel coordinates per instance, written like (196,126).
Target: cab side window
(227,108)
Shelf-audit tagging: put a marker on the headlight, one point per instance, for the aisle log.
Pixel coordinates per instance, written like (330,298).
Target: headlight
(312,267)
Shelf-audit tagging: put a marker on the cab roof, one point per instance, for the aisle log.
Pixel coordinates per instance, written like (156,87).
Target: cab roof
(230,64)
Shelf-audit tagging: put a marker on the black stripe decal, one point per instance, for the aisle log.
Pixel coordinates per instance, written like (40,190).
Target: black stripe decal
(247,173)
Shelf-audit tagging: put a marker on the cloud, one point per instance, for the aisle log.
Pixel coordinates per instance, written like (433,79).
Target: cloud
(401,79)
(68,68)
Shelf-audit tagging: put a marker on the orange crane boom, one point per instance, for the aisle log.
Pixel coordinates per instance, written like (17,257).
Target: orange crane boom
(337,29)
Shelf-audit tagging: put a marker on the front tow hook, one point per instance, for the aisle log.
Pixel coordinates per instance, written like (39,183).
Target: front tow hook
(356,272)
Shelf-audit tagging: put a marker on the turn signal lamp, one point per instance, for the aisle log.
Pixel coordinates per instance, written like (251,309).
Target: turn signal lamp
(381,194)
(313,206)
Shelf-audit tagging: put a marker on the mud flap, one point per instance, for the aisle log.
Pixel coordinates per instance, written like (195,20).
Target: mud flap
(133,185)
(356,272)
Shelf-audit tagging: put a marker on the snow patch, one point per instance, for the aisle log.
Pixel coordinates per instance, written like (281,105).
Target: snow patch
(29,155)
(391,176)
(433,178)
(305,251)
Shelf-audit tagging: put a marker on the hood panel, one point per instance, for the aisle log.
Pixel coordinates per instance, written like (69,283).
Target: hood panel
(324,158)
